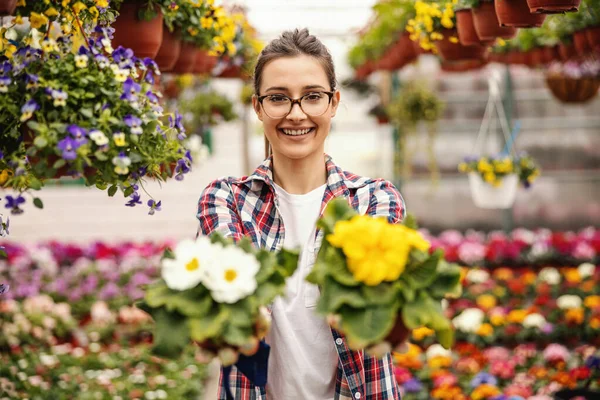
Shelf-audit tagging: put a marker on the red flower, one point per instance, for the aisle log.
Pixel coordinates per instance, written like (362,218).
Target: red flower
(516,286)
(512,330)
(580,373)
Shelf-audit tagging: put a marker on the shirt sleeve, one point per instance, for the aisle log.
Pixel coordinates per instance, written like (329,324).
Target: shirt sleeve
(217,211)
(386,201)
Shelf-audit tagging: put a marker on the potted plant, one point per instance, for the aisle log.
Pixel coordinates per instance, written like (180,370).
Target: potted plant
(486,22)
(465,26)
(494,180)
(92,114)
(7,7)
(516,13)
(574,82)
(553,6)
(207,108)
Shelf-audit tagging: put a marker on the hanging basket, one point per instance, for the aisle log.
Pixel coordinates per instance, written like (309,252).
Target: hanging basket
(553,6)
(204,62)
(7,7)
(593,36)
(143,37)
(573,90)
(516,13)
(169,50)
(187,59)
(487,196)
(451,51)
(465,28)
(566,51)
(487,25)
(551,54)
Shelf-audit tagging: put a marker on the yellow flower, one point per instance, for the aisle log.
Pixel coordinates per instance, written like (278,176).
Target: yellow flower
(453,39)
(4,175)
(484,166)
(206,23)
(497,319)
(81,61)
(489,177)
(18,20)
(592,301)
(421,333)
(486,301)
(51,12)
(438,362)
(484,391)
(21,3)
(517,316)
(78,7)
(37,20)
(101,3)
(119,139)
(375,250)
(575,316)
(501,42)
(121,75)
(231,49)
(572,275)
(485,330)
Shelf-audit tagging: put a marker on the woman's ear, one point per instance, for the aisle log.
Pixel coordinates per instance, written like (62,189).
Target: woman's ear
(335,102)
(257,107)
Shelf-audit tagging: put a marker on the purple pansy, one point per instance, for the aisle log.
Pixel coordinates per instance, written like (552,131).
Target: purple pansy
(68,146)
(130,90)
(134,123)
(4,287)
(154,206)
(14,203)
(28,109)
(78,133)
(134,200)
(412,385)
(483,378)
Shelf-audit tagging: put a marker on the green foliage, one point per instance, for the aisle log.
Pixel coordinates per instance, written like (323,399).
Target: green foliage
(206,109)
(466,4)
(368,313)
(414,103)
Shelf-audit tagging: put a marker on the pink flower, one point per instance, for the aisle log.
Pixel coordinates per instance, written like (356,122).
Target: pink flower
(496,353)
(446,380)
(518,390)
(504,369)
(523,379)
(556,352)
(540,397)
(471,253)
(584,251)
(402,375)
(451,237)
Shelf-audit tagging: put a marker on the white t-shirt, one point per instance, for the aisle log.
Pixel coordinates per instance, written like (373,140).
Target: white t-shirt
(303,360)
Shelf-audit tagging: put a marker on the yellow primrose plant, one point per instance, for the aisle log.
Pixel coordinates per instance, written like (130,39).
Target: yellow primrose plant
(215,292)
(431,18)
(372,273)
(493,169)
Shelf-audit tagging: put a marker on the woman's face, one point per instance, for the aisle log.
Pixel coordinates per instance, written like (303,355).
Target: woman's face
(294,77)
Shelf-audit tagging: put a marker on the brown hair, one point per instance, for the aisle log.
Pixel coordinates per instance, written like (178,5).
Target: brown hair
(291,44)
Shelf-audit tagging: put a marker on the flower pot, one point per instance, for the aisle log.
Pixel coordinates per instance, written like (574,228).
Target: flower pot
(568,394)
(405,50)
(553,6)
(487,196)
(550,54)
(567,51)
(465,28)
(7,7)
(204,63)
(573,90)
(451,51)
(518,58)
(582,46)
(187,59)
(536,57)
(231,71)
(462,65)
(516,13)
(487,25)
(169,50)
(593,36)
(143,37)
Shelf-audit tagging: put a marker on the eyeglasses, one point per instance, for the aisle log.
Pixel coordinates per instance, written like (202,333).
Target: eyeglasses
(313,104)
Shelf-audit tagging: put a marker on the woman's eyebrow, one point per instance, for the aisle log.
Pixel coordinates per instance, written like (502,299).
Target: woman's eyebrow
(285,89)
(278,88)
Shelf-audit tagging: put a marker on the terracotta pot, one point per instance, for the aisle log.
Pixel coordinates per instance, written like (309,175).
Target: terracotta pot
(582,46)
(143,37)
(465,28)
(232,71)
(536,58)
(204,63)
(7,7)
(593,36)
(551,54)
(487,25)
(399,54)
(187,59)
(553,6)
(169,50)
(572,90)
(451,51)
(516,13)
(520,58)
(171,89)
(463,65)
(567,51)
(363,71)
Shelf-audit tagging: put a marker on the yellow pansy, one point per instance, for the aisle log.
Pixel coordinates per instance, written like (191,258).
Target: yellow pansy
(51,12)
(102,3)
(206,23)
(119,139)
(78,7)
(485,330)
(37,20)
(18,20)
(422,332)
(231,49)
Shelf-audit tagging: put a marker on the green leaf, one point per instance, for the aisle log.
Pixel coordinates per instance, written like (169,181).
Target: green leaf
(3,253)
(237,335)
(100,155)
(241,314)
(38,202)
(267,291)
(410,222)
(168,253)
(334,296)
(86,112)
(210,325)
(384,293)
(171,334)
(368,325)
(195,302)
(288,260)
(127,192)
(35,126)
(337,267)
(445,337)
(40,142)
(59,163)
(267,262)
(421,275)
(447,283)
(112,190)
(35,183)
(101,185)
(134,138)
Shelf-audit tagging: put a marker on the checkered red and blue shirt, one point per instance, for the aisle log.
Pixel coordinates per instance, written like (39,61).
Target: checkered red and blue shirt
(247,206)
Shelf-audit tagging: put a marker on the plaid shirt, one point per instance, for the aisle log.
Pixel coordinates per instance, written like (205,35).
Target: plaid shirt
(248,206)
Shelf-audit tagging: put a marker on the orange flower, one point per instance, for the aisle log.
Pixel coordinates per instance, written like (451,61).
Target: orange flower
(486,301)
(572,275)
(485,330)
(447,393)
(410,359)
(503,274)
(421,333)
(595,323)
(484,391)
(538,372)
(592,301)
(439,362)
(497,319)
(564,379)
(529,278)
(516,316)
(588,285)
(574,316)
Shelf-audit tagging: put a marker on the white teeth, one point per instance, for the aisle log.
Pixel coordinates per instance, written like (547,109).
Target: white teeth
(296,132)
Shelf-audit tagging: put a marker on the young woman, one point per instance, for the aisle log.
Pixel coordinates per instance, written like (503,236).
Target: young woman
(279,204)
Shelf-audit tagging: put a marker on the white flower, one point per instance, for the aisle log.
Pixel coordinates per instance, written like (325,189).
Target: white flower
(469,320)
(549,275)
(586,270)
(192,260)
(98,137)
(477,276)
(436,350)
(233,277)
(568,301)
(534,320)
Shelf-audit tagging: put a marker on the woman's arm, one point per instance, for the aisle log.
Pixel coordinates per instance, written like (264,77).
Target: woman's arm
(217,211)
(386,201)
